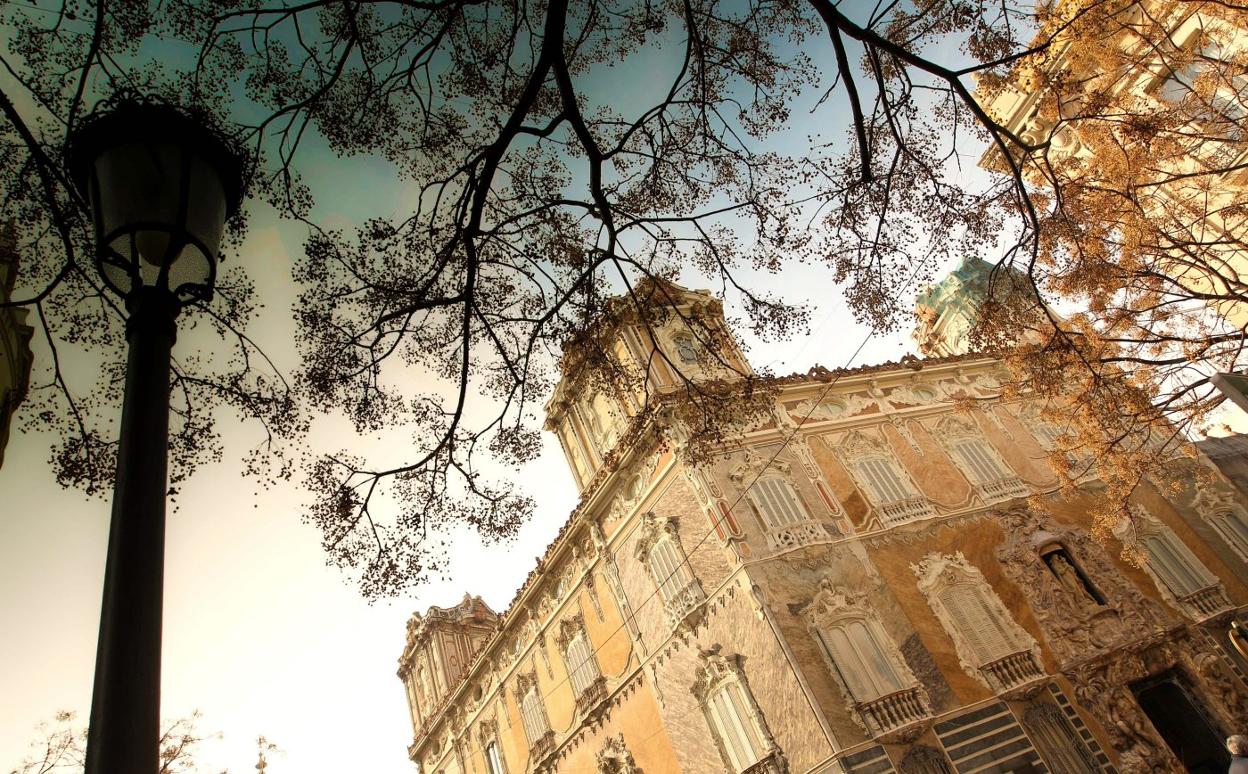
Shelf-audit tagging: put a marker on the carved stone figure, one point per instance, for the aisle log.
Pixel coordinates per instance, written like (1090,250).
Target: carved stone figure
(1071,581)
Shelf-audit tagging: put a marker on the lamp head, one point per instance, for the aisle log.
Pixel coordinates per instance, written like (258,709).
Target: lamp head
(161,183)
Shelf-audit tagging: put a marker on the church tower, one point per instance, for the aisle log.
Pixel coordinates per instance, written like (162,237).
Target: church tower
(440,646)
(653,341)
(948,310)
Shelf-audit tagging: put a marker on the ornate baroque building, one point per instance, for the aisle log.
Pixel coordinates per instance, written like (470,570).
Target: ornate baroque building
(864,583)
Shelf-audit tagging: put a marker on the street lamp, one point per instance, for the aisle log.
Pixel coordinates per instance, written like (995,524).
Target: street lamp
(160,184)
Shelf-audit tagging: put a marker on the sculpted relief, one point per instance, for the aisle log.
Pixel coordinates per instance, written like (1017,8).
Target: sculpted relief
(1082,603)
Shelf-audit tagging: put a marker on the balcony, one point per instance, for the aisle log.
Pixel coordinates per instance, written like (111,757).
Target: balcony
(902,511)
(803,533)
(683,603)
(893,711)
(589,698)
(1006,488)
(544,746)
(772,763)
(1012,671)
(1206,602)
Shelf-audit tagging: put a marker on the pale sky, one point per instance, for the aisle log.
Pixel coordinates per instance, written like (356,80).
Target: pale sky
(259,634)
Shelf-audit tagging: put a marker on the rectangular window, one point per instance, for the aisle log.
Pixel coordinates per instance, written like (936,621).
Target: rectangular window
(978,462)
(777,502)
(582,669)
(669,569)
(493,761)
(734,725)
(1175,565)
(882,478)
(534,716)
(856,651)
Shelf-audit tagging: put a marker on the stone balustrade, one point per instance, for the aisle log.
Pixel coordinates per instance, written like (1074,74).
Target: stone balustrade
(893,711)
(902,511)
(683,601)
(1006,488)
(1012,671)
(1205,602)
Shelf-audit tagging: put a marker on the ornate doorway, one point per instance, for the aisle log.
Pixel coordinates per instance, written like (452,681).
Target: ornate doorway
(1192,735)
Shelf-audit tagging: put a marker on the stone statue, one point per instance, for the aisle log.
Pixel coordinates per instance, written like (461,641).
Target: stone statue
(1069,577)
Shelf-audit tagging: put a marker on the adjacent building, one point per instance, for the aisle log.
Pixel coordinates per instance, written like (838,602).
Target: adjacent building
(878,576)
(15,355)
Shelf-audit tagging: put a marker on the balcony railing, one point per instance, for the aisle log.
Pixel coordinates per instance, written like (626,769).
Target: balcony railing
(682,602)
(1012,671)
(1206,602)
(893,711)
(902,511)
(802,533)
(772,763)
(544,745)
(592,695)
(1002,489)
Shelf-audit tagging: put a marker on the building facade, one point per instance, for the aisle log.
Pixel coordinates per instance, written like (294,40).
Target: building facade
(878,576)
(15,354)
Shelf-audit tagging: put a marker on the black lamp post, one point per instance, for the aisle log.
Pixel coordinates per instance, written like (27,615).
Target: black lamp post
(161,185)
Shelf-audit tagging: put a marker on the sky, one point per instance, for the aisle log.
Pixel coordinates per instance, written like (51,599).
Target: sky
(259,634)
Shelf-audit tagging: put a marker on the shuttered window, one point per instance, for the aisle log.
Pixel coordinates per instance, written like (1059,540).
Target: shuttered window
(668,566)
(777,502)
(857,650)
(884,480)
(534,715)
(978,462)
(493,761)
(1175,564)
(729,715)
(978,622)
(582,668)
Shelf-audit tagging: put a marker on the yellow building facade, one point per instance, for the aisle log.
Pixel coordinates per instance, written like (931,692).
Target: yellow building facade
(864,581)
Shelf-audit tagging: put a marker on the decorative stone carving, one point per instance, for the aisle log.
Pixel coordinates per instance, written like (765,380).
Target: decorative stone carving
(681,601)
(904,429)
(1219,507)
(753,465)
(1075,630)
(568,628)
(634,481)
(1017,663)
(835,407)
(614,757)
(1102,688)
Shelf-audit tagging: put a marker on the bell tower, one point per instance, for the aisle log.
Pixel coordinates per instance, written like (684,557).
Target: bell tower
(658,339)
(440,647)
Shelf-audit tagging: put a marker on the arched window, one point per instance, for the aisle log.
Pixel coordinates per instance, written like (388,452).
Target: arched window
(578,656)
(856,648)
(1179,575)
(532,711)
(978,622)
(990,643)
(884,481)
(777,502)
(980,464)
(736,722)
(658,549)
(493,760)
(992,478)
(1232,525)
(883,693)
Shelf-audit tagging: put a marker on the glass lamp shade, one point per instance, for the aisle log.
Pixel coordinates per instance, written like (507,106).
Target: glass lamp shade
(160,186)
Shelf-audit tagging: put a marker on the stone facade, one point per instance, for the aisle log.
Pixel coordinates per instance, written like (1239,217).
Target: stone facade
(880,576)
